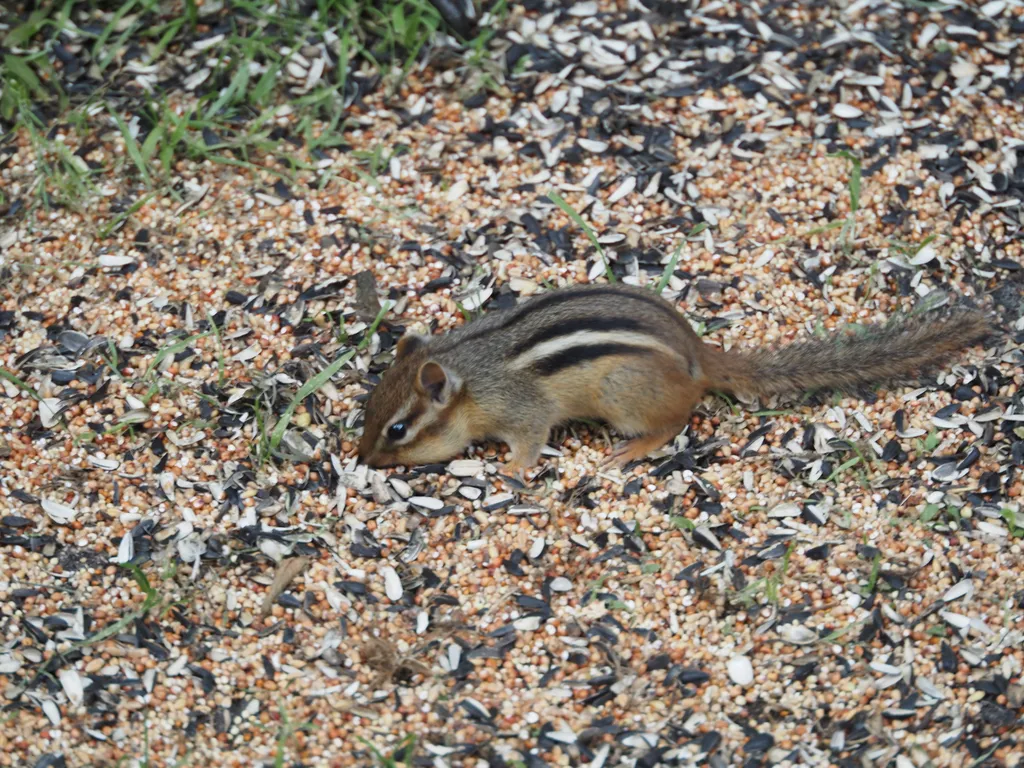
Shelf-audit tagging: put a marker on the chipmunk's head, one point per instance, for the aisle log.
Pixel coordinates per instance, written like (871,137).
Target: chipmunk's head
(412,415)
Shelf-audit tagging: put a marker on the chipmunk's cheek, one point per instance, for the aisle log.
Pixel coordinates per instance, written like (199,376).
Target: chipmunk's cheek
(426,452)
(439,450)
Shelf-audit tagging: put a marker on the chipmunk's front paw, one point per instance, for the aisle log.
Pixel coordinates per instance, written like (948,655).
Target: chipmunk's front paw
(513,470)
(524,458)
(516,469)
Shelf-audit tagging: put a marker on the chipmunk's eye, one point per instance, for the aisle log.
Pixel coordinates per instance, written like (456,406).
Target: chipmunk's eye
(396,431)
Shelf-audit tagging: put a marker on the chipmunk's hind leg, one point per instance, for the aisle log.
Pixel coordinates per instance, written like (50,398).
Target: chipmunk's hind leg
(635,398)
(639,447)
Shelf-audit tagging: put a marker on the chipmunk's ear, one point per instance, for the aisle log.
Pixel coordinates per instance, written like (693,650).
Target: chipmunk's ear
(409,343)
(438,382)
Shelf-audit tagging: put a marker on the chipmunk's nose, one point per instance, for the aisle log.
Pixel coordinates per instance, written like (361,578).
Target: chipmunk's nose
(366,453)
(375,459)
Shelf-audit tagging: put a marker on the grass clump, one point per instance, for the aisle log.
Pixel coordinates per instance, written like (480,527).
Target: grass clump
(579,221)
(401,756)
(176,81)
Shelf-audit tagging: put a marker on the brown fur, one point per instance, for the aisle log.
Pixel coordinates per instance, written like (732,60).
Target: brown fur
(390,395)
(845,361)
(618,354)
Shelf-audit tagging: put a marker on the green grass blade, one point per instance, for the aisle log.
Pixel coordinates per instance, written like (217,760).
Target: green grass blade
(132,147)
(234,92)
(305,391)
(22,33)
(116,221)
(855,178)
(109,30)
(175,348)
(666,275)
(19,68)
(8,376)
(150,144)
(177,136)
(318,381)
(152,598)
(560,201)
(169,34)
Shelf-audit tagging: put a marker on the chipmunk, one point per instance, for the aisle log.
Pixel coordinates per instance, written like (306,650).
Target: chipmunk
(613,353)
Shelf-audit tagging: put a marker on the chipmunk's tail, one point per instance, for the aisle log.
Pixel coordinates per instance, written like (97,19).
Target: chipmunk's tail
(877,354)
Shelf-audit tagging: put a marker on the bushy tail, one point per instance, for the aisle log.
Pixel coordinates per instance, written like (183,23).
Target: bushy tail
(845,361)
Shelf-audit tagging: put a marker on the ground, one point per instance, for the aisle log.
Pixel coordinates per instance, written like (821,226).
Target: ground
(216,221)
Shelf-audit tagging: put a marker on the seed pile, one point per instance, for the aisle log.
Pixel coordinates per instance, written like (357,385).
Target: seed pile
(196,567)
